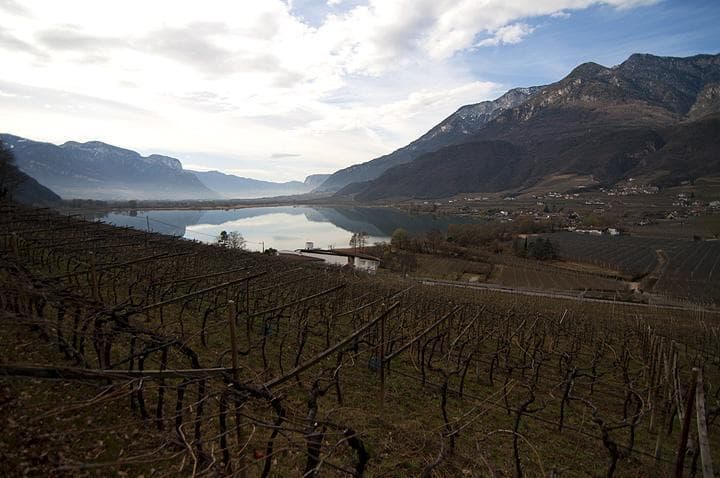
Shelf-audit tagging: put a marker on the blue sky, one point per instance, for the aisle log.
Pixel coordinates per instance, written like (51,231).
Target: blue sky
(601,34)
(278,89)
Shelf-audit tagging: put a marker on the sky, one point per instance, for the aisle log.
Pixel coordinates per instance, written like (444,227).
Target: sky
(277,90)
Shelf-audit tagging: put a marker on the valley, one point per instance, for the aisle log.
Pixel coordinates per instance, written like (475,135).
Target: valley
(530,288)
(154,354)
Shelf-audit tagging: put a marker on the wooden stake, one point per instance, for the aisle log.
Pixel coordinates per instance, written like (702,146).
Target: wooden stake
(703,440)
(236,378)
(687,413)
(233,339)
(94,276)
(382,364)
(16,249)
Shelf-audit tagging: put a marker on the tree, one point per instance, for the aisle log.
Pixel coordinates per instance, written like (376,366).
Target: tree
(541,249)
(231,240)
(406,263)
(359,240)
(10,176)
(395,259)
(434,239)
(400,239)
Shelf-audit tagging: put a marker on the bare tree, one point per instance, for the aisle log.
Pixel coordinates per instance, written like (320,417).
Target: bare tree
(231,240)
(358,241)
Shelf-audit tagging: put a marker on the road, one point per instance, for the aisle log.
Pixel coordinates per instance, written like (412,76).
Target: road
(565,294)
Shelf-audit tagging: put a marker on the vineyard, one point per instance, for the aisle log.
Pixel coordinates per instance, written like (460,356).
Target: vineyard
(686,269)
(126,352)
(518,272)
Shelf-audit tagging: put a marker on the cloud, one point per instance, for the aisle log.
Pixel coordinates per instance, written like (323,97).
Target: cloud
(507,35)
(336,81)
(197,167)
(12,7)
(284,155)
(69,102)
(71,38)
(560,14)
(208,101)
(369,38)
(10,42)
(627,4)
(192,45)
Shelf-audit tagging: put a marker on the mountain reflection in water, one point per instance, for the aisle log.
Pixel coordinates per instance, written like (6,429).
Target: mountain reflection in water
(283,227)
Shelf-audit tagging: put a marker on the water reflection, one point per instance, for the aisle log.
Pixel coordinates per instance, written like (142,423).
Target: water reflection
(282,227)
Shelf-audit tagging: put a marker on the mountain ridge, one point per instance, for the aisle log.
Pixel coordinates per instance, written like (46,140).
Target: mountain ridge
(465,121)
(231,186)
(605,123)
(97,170)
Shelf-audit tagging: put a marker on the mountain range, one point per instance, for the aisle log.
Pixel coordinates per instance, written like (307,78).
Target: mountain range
(652,118)
(228,185)
(655,119)
(95,170)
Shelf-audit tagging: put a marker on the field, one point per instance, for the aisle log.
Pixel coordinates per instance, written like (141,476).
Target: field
(517,272)
(127,353)
(687,270)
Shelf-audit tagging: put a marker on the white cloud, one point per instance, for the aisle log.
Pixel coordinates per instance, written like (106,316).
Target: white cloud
(246,78)
(508,35)
(560,14)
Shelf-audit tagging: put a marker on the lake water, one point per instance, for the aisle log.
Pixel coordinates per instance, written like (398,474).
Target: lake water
(284,228)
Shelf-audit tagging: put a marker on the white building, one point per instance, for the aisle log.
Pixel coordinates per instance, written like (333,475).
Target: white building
(340,258)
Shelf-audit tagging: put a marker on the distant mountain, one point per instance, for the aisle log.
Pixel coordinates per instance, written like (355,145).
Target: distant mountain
(652,118)
(315,180)
(457,127)
(96,170)
(236,187)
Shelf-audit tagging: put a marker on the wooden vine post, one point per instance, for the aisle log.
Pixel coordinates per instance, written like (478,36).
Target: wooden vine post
(94,276)
(236,378)
(233,340)
(703,440)
(16,249)
(682,445)
(382,364)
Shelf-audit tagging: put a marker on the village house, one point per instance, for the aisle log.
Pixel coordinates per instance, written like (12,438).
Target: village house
(341,258)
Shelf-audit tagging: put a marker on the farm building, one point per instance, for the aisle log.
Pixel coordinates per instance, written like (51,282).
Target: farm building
(358,260)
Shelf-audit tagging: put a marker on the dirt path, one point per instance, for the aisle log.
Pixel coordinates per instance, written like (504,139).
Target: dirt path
(648,282)
(565,294)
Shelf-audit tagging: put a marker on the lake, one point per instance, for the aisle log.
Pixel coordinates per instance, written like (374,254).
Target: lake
(282,227)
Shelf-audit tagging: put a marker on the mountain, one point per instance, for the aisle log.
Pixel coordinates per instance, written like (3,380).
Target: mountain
(315,180)
(236,187)
(96,170)
(455,128)
(29,191)
(653,118)
(19,186)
